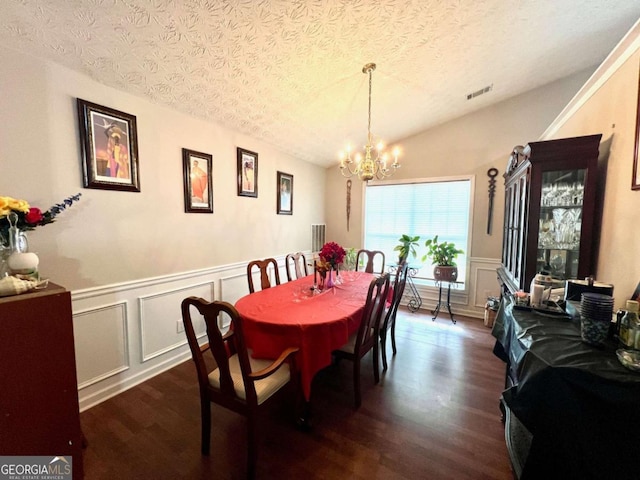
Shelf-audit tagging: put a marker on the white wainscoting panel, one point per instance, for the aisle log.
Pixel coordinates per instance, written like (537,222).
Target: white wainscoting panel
(233,287)
(488,286)
(160,316)
(484,281)
(127,333)
(102,345)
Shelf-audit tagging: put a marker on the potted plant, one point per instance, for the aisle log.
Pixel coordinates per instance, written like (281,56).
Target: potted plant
(406,246)
(349,262)
(443,256)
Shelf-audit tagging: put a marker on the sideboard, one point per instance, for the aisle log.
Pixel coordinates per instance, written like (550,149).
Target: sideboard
(39,413)
(580,405)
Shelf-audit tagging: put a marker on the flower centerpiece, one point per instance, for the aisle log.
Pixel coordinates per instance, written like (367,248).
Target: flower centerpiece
(24,217)
(333,255)
(16,217)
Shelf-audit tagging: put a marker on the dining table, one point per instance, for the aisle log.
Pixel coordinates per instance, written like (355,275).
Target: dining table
(293,314)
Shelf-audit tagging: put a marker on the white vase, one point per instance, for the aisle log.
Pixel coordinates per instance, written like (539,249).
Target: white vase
(11,242)
(24,264)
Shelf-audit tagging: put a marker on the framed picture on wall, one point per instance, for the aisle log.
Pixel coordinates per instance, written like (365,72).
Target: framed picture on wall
(247,173)
(636,294)
(109,144)
(635,180)
(198,184)
(285,194)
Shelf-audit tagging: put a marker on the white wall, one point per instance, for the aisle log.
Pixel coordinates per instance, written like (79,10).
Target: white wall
(130,258)
(470,145)
(609,104)
(111,236)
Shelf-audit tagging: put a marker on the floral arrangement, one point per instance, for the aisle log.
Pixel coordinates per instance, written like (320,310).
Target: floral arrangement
(332,253)
(28,217)
(322,266)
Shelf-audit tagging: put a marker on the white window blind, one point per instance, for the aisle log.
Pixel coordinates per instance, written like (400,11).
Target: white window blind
(427,209)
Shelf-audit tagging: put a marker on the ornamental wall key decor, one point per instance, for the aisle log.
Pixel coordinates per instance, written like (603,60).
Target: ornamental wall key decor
(492,173)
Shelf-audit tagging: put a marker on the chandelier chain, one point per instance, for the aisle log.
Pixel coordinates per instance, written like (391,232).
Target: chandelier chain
(369,121)
(368,168)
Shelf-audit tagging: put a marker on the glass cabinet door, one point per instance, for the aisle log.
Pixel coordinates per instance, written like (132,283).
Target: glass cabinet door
(560,222)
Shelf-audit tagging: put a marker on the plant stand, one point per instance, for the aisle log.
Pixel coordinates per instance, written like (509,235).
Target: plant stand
(415,300)
(436,310)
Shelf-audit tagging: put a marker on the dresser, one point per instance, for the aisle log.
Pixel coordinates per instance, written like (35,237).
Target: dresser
(39,413)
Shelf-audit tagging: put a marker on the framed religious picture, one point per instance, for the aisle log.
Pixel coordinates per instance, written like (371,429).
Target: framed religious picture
(198,189)
(109,145)
(285,194)
(247,173)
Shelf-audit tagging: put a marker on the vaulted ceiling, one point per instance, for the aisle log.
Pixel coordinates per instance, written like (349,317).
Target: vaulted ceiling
(290,72)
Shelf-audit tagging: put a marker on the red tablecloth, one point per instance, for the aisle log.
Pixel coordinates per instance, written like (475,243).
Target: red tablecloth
(287,316)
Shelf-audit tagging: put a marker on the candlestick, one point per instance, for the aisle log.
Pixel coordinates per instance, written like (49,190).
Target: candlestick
(315,274)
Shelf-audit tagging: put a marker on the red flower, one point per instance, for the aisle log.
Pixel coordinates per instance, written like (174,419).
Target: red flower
(33,216)
(333,253)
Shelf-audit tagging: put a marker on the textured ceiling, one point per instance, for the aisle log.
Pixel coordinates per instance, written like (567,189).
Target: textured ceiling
(289,72)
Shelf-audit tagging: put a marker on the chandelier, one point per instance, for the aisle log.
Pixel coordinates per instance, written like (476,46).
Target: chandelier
(368,167)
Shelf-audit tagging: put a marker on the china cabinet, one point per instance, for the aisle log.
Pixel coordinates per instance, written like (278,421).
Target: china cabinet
(549,217)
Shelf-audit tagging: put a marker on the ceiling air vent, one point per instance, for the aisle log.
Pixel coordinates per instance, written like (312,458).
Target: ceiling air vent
(480,92)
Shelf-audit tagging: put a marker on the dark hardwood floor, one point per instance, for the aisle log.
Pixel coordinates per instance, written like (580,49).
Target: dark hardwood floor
(434,415)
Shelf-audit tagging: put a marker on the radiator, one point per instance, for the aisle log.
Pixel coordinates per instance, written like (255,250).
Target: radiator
(317,236)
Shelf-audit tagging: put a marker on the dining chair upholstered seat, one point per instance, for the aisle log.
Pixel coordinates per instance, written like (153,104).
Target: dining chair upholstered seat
(297,262)
(350,346)
(237,382)
(368,334)
(263,267)
(365,260)
(389,323)
(265,387)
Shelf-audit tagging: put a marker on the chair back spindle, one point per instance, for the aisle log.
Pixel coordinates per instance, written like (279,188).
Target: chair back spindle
(366,259)
(263,266)
(232,361)
(298,262)
(389,323)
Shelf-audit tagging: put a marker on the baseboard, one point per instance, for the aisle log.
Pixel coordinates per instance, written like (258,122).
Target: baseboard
(94,398)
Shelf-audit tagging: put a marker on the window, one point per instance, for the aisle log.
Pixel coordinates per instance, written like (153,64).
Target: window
(427,208)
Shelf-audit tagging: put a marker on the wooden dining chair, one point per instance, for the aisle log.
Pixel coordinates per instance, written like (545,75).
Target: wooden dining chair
(368,334)
(238,382)
(263,267)
(297,262)
(369,257)
(389,323)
